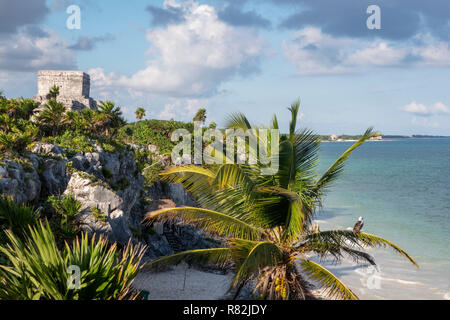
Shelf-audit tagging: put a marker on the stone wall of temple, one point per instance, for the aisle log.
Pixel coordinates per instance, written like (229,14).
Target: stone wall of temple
(74,88)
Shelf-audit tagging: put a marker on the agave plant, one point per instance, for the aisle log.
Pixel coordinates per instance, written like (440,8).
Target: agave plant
(266,221)
(37,269)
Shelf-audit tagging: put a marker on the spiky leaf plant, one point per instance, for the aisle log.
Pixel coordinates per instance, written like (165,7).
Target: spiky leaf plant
(36,269)
(15,217)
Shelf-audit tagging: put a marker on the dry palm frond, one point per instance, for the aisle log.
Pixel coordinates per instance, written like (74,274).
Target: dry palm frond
(332,285)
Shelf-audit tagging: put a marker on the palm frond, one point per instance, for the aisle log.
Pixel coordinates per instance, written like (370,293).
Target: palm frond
(338,166)
(286,171)
(332,285)
(361,239)
(209,220)
(232,175)
(294,108)
(195,179)
(325,249)
(250,256)
(306,149)
(275,122)
(237,121)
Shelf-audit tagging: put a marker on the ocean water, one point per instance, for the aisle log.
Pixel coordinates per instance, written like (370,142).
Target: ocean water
(402,189)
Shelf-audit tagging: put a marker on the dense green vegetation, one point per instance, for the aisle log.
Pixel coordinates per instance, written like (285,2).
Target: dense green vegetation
(266,221)
(37,246)
(156,132)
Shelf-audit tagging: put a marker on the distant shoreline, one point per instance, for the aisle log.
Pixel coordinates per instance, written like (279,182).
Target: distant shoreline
(383,138)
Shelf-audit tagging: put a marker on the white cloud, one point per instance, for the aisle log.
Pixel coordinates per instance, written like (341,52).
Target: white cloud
(23,52)
(422,110)
(313,52)
(194,57)
(431,52)
(182,109)
(377,54)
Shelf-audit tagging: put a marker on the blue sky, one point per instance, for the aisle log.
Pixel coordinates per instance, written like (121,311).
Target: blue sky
(172,57)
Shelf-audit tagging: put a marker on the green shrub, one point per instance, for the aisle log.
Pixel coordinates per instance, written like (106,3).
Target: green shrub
(15,217)
(17,138)
(151,173)
(157,132)
(38,270)
(66,209)
(73,142)
(100,216)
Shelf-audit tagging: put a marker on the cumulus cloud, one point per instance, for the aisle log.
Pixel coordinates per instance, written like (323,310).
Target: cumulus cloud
(23,52)
(313,52)
(232,13)
(194,57)
(399,19)
(18,13)
(425,111)
(183,109)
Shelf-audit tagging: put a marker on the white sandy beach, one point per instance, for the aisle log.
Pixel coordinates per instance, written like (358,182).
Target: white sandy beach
(183,283)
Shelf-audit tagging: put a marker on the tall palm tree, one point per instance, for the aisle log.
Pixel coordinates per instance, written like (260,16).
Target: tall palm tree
(266,221)
(113,116)
(200,115)
(53,114)
(140,113)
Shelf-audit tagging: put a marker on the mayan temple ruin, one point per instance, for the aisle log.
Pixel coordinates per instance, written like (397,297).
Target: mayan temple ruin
(74,88)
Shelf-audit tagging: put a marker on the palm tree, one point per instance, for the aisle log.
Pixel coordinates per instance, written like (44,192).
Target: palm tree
(200,115)
(52,115)
(140,113)
(267,221)
(53,93)
(113,115)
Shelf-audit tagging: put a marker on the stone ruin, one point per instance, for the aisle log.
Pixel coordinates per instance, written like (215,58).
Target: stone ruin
(74,88)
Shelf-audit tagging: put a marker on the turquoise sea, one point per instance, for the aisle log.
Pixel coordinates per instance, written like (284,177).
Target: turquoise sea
(402,190)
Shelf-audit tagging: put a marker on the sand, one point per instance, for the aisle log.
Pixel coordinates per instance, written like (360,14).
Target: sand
(183,283)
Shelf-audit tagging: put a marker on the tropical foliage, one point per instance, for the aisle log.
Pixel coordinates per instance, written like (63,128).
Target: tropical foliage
(37,270)
(15,217)
(200,115)
(64,212)
(267,220)
(156,132)
(140,113)
(52,116)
